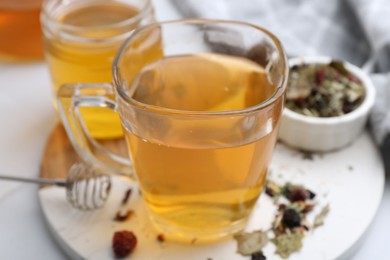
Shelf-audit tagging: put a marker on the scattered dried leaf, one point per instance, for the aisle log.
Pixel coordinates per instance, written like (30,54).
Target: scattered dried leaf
(288,243)
(272,189)
(290,224)
(249,243)
(319,219)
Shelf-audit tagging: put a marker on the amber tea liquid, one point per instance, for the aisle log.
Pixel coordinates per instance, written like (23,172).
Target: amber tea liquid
(20,30)
(192,184)
(86,57)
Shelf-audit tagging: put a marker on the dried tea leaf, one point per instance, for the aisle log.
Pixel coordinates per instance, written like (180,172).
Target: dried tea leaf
(288,243)
(319,219)
(272,189)
(323,90)
(126,197)
(339,66)
(301,90)
(249,243)
(298,206)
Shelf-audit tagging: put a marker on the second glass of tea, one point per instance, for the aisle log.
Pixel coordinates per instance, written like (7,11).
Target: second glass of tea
(200,121)
(81,39)
(20,31)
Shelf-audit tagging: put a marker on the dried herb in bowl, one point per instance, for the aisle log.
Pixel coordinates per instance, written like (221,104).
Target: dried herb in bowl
(323,90)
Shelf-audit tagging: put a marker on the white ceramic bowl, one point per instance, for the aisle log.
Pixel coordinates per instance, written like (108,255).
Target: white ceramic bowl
(326,134)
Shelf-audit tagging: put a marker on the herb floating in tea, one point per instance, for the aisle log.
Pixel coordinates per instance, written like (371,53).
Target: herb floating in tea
(323,90)
(160,238)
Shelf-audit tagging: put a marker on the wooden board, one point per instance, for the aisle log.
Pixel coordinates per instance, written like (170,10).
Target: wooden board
(59,154)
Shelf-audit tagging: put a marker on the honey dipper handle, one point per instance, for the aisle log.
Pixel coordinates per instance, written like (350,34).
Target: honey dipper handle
(57,182)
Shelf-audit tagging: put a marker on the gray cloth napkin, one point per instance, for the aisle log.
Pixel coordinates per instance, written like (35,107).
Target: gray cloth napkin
(352,30)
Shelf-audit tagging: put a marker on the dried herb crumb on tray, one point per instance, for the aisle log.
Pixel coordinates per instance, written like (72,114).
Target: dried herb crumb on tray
(127,195)
(123,215)
(323,90)
(294,203)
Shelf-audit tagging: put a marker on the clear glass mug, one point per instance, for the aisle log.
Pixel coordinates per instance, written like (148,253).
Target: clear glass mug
(81,39)
(20,30)
(200,122)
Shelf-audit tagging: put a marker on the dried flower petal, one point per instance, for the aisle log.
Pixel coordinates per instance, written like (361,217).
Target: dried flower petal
(308,208)
(249,243)
(319,219)
(272,189)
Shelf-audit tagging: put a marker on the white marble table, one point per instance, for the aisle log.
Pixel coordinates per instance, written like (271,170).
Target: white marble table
(26,117)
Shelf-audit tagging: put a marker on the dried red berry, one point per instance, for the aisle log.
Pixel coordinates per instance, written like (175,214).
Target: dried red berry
(258,256)
(320,76)
(291,218)
(123,243)
(299,194)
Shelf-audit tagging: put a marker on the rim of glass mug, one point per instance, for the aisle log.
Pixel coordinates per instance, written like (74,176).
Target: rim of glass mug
(117,80)
(50,23)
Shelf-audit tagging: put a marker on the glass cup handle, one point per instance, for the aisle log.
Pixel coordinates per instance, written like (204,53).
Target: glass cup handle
(70,98)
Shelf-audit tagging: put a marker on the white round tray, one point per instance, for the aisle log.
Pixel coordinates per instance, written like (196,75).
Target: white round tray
(350,180)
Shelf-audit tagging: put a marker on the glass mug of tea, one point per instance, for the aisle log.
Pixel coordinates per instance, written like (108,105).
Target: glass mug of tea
(20,30)
(81,39)
(200,121)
